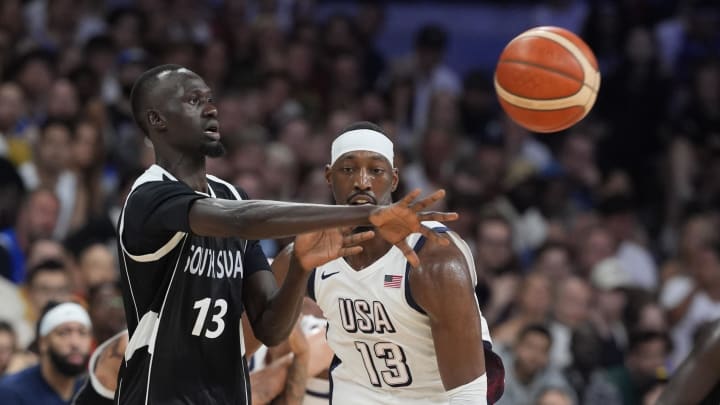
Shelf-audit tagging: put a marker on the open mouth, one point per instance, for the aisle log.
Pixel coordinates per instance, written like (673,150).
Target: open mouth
(211,131)
(362,199)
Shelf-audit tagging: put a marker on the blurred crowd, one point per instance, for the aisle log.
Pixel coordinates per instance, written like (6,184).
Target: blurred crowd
(597,248)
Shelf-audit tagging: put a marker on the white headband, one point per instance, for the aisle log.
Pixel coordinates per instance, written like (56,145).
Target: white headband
(362,139)
(66,312)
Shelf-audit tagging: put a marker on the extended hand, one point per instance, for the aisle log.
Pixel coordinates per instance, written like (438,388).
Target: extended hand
(396,222)
(317,248)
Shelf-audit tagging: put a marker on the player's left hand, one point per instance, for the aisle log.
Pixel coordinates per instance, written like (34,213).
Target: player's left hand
(396,222)
(314,249)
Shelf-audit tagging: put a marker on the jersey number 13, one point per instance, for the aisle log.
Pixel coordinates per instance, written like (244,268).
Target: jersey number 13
(395,372)
(218,324)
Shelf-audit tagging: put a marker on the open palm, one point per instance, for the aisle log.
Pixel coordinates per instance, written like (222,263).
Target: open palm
(397,221)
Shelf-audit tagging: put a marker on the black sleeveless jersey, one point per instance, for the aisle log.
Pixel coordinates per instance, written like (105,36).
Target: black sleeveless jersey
(93,392)
(183,298)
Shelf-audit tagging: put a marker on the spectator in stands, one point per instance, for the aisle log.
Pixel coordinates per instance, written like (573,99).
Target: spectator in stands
(36,220)
(8,346)
(527,369)
(64,344)
(629,383)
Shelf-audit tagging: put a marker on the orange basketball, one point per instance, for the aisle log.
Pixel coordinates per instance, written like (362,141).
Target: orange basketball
(547,79)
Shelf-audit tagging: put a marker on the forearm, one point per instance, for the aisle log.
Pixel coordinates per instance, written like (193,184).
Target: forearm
(276,321)
(296,380)
(268,383)
(259,219)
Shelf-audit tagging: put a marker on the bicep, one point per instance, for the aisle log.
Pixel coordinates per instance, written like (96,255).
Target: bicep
(444,289)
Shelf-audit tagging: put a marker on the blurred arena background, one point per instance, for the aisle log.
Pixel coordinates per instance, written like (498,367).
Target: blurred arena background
(606,234)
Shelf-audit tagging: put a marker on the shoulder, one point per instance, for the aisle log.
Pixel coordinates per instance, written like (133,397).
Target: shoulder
(20,382)
(441,261)
(443,276)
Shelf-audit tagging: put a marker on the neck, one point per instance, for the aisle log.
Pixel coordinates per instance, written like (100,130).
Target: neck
(373,249)
(186,168)
(63,385)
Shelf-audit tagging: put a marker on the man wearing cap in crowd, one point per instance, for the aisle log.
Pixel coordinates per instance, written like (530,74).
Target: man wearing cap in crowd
(64,339)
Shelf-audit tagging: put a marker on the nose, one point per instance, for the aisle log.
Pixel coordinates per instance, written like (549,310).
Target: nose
(362,180)
(210,111)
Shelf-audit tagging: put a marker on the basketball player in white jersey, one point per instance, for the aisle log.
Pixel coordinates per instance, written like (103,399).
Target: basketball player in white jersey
(401,334)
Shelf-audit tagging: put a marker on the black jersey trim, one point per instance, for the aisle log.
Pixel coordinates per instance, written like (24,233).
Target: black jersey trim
(311,285)
(333,365)
(408,293)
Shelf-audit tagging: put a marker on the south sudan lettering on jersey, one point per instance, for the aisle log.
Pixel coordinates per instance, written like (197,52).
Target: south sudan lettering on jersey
(183,298)
(213,263)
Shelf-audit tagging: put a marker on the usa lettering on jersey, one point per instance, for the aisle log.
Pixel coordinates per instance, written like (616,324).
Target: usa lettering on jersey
(214,263)
(361,315)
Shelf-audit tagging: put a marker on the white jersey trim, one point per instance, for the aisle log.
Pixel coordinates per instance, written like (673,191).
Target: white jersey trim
(232,188)
(154,173)
(93,380)
(145,335)
(157,325)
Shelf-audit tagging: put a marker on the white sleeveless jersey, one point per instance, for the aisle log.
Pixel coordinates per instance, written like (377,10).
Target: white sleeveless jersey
(384,351)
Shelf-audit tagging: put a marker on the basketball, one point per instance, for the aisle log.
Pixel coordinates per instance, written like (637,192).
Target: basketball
(547,79)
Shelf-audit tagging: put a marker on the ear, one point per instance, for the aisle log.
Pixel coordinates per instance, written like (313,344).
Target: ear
(156,121)
(42,345)
(328,173)
(395,179)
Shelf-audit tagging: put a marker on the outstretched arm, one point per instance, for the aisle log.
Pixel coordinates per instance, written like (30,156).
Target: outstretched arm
(698,374)
(256,219)
(443,288)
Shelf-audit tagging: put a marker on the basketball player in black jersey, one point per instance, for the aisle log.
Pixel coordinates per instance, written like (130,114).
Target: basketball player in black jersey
(697,381)
(190,261)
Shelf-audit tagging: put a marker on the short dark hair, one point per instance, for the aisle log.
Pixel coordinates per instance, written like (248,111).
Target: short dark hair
(51,122)
(640,337)
(49,265)
(7,327)
(362,125)
(535,328)
(553,245)
(144,83)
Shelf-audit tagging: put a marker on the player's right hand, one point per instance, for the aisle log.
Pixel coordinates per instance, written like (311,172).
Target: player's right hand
(314,249)
(397,221)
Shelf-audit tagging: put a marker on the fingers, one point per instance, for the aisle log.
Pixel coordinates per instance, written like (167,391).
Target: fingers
(349,251)
(438,216)
(355,238)
(409,198)
(434,236)
(409,253)
(429,200)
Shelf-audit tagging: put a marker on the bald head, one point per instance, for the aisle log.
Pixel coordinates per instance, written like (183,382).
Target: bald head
(146,84)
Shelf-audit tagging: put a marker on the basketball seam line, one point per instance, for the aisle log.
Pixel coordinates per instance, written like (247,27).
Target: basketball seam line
(549,69)
(554,109)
